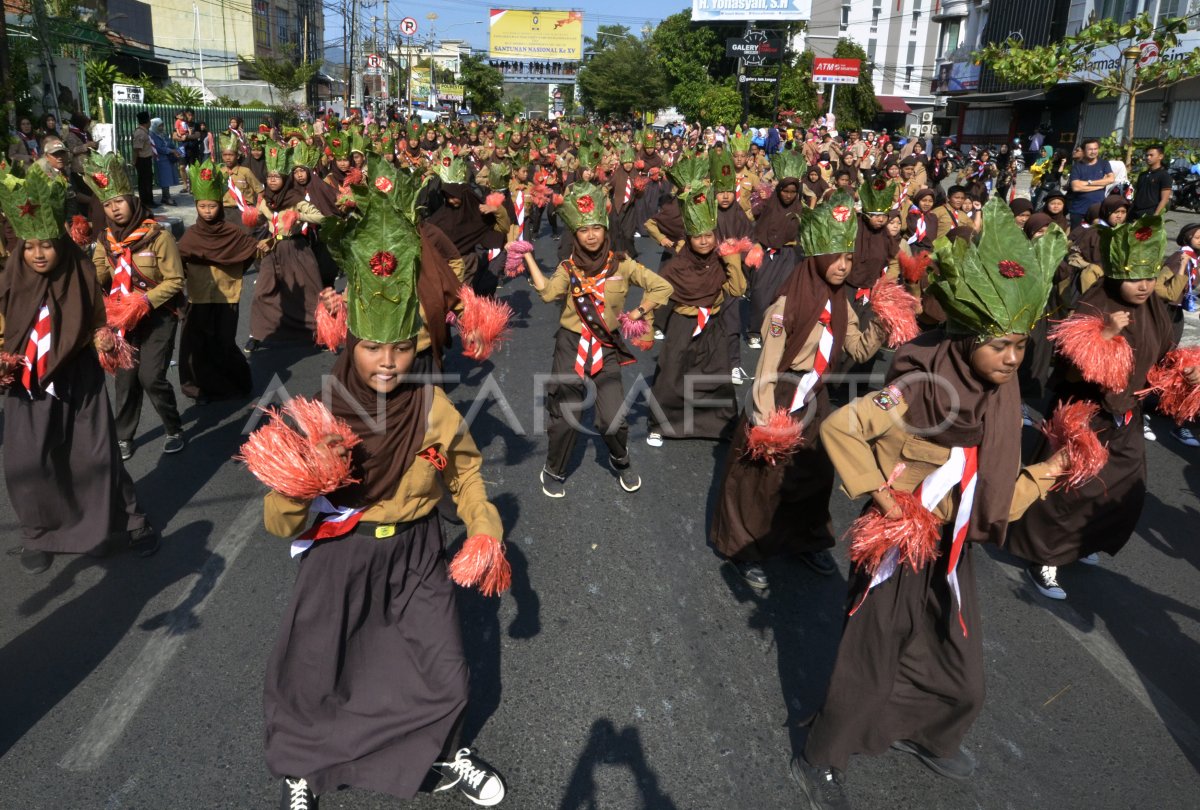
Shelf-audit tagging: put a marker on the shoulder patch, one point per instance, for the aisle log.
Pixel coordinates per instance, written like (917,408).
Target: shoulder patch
(776,325)
(888,398)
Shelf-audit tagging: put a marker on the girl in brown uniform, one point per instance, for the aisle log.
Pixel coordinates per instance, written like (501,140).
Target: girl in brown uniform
(367,683)
(1179,285)
(772,507)
(775,236)
(588,345)
(909,670)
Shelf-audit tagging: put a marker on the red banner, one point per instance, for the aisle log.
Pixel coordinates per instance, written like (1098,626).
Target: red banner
(836,71)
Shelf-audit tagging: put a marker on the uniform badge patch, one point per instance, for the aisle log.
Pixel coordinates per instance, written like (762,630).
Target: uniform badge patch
(888,398)
(776,325)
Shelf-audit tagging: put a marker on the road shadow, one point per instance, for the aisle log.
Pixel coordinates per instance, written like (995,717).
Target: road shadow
(608,747)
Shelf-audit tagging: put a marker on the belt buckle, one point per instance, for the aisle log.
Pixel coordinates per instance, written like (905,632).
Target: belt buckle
(385,530)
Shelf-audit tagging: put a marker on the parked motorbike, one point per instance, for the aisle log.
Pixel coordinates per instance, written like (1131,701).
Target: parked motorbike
(1185,190)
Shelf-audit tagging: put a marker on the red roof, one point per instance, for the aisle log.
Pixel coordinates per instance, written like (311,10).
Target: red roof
(894,104)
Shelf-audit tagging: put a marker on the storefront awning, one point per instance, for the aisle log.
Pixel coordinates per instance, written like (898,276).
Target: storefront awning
(894,104)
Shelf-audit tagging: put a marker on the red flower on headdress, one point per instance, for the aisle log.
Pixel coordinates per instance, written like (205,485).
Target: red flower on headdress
(586,205)
(274,152)
(726,171)
(263,128)
(206,174)
(841,213)
(383,264)
(383,184)
(699,199)
(337,142)
(880,185)
(101,179)
(1143,234)
(446,162)
(1011,269)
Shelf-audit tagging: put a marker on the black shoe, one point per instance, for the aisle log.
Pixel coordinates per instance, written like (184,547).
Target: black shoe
(473,777)
(754,575)
(959,767)
(145,541)
(297,796)
(824,788)
(552,485)
(251,345)
(126,449)
(174,443)
(630,481)
(34,562)
(820,561)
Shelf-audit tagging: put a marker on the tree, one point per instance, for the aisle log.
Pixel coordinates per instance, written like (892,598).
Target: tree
(693,59)
(1074,59)
(622,79)
(483,85)
(607,36)
(720,104)
(286,74)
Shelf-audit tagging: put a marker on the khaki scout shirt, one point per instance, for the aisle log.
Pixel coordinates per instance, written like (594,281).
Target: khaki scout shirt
(246,182)
(156,260)
(657,290)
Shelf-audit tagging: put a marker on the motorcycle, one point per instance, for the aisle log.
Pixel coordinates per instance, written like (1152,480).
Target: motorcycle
(1185,190)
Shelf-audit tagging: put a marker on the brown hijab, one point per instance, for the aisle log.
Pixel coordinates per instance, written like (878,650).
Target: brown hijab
(776,224)
(732,223)
(807,291)
(951,407)
(391,427)
(137,216)
(322,195)
(592,263)
(669,219)
(285,198)
(872,252)
(697,279)
(465,225)
(437,286)
(70,290)
(217,242)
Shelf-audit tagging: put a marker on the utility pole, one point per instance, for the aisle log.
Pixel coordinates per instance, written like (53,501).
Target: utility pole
(346,55)
(10,109)
(38,8)
(387,52)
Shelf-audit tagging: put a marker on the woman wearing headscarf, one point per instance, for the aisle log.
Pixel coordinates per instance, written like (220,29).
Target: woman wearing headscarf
(366,686)
(733,223)
(922,224)
(1102,514)
(66,482)
(255,159)
(289,281)
(775,235)
(1085,260)
(1054,204)
(472,224)
(814,187)
(770,506)
(1179,285)
(589,345)
(305,160)
(1042,181)
(909,669)
(165,158)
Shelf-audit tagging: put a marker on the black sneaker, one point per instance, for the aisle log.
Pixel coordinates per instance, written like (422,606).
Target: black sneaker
(126,449)
(473,777)
(34,562)
(174,443)
(754,575)
(552,485)
(297,795)
(1045,579)
(822,787)
(960,766)
(251,346)
(630,481)
(145,541)
(820,561)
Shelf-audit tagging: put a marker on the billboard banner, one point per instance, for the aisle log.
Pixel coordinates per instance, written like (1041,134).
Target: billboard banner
(422,82)
(522,34)
(835,71)
(735,10)
(450,92)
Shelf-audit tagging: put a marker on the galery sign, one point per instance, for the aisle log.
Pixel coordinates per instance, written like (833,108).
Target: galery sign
(836,71)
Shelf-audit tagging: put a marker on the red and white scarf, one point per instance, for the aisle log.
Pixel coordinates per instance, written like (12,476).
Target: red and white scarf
(329,522)
(824,349)
(238,198)
(37,352)
(703,315)
(922,228)
(1190,264)
(589,357)
(519,205)
(120,254)
(628,191)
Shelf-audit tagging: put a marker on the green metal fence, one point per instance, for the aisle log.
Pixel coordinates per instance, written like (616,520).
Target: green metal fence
(124,117)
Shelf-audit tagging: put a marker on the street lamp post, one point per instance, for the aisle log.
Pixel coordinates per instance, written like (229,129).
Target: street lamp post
(1124,108)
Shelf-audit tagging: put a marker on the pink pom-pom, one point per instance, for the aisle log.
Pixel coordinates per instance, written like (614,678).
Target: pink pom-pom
(777,440)
(125,311)
(9,363)
(632,329)
(1107,363)
(896,310)
(80,230)
(913,268)
(331,316)
(482,324)
(732,246)
(763,191)
(1071,427)
(514,262)
(915,535)
(494,200)
(754,257)
(287,220)
(481,562)
(1177,398)
(304,463)
(121,356)
(452,317)
(249,216)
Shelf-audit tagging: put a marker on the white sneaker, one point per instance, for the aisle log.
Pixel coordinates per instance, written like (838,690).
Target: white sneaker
(472,776)
(754,342)
(1147,431)
(1045,579)
(654,439)
(658,335)
(1185,436)
(1091,559)
(739,375)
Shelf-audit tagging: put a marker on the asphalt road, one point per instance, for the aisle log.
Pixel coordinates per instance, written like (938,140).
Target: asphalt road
(627,668)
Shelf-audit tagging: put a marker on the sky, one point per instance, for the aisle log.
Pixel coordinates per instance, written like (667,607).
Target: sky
(467,19)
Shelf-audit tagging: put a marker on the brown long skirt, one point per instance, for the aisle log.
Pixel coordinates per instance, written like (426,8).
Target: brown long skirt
(65,477)
(692,385)
(285,292)
(904,669)
(769,510)
(211,365)
(367,678)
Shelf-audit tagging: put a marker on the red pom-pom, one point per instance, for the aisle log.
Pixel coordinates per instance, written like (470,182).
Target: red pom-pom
(514,262)
(121,356)
(632,329)
(300,463)
(639,164)
(125,311)
(1108,363)
(1177,398)
(916,535)
(287,221)
(755,256)
(331,318)
(732,246)
(482,324)
(481,562)
(354,177)
(495,199)
(639,185)
(775,441)
(80,230)
(9,363)
(539,195)
(557,199)
(896,310)
(249,216)
(913,268)
(1071,427)
(643,344)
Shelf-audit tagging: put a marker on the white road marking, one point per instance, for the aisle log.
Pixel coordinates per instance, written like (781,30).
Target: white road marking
(132,689)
